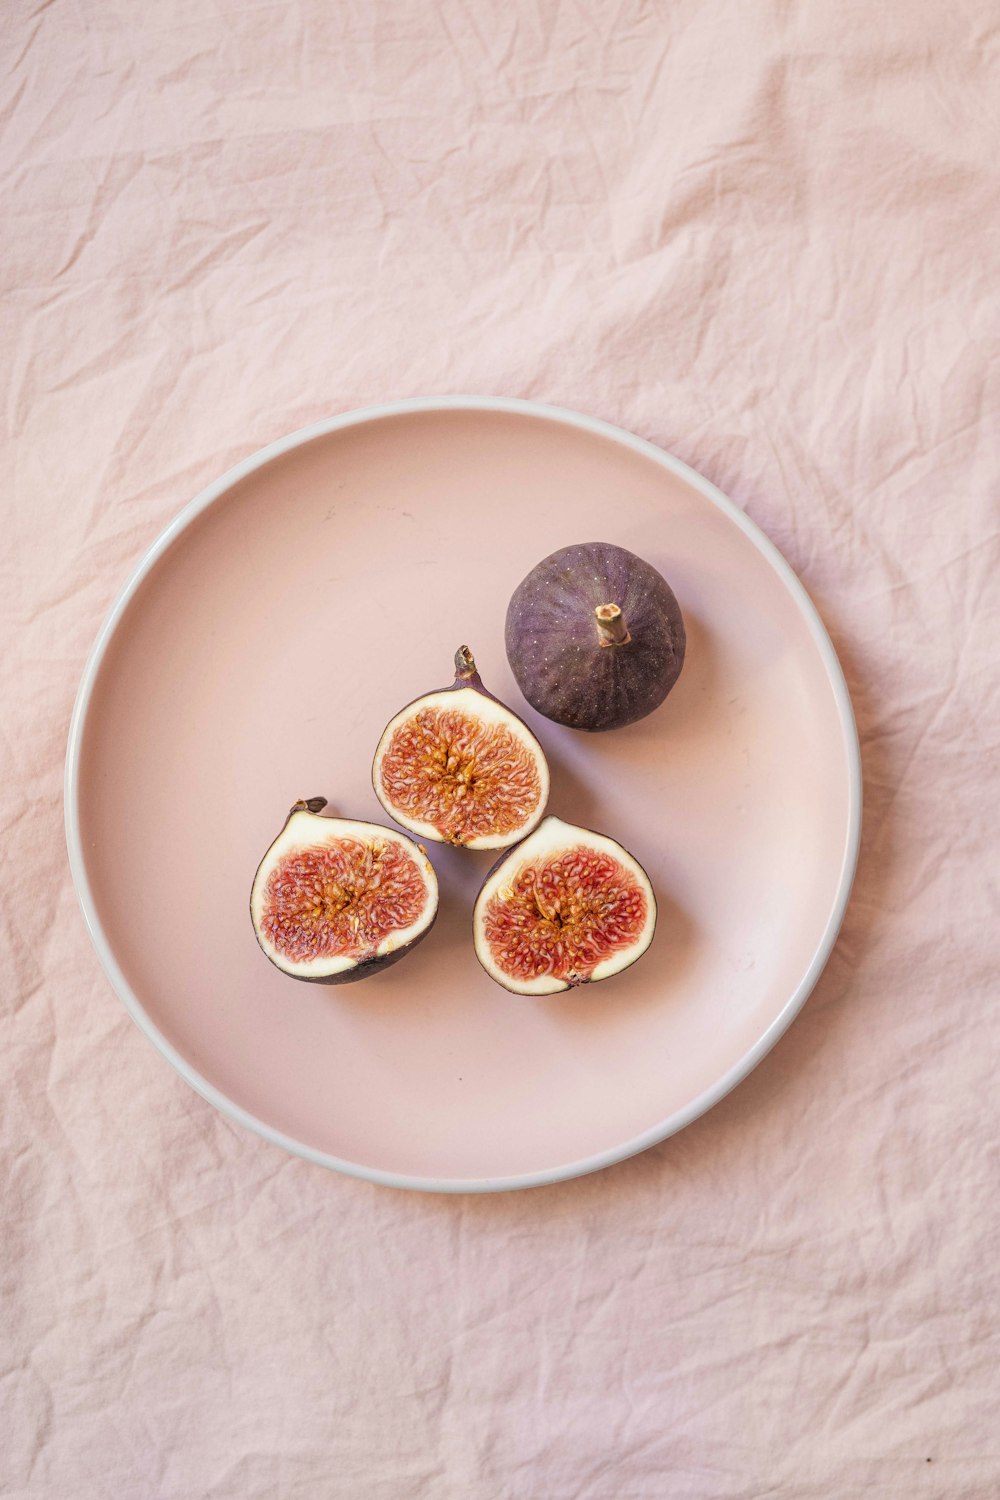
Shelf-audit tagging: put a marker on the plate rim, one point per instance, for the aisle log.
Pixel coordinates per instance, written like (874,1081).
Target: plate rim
(564,416)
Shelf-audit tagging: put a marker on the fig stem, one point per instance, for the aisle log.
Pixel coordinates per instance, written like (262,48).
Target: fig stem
(465,663)
(308,804)
(611,627)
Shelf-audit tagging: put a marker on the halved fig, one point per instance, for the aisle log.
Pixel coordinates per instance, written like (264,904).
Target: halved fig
(335,900)
(458,767)
(565,907)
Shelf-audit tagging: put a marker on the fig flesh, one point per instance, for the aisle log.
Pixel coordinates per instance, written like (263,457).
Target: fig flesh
(335,900)
(457,766)
(566,907)
(594,636)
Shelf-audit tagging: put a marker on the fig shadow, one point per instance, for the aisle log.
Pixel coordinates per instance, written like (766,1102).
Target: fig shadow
(570,797)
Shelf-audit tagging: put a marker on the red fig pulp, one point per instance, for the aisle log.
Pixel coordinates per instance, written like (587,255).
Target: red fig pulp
(334,899)
(459,767)
(565,907)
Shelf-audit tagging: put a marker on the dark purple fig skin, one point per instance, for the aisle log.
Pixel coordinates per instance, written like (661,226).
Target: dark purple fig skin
(554,645)
(367,966)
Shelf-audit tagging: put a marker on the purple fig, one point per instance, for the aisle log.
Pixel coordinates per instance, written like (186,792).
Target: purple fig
(594,637)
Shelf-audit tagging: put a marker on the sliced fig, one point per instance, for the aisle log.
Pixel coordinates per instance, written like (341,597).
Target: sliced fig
(335,900)
(566,907)
(595,637)
(457,766)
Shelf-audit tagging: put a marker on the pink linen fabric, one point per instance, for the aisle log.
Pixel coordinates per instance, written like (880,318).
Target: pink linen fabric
(765,237)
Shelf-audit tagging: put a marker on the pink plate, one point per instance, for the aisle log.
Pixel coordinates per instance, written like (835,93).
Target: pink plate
(256,655)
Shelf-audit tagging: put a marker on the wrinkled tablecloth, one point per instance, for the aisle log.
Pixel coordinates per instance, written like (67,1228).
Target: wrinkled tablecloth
(764,236)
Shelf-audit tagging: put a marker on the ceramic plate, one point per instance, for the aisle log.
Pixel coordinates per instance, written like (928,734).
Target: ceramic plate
(255,656)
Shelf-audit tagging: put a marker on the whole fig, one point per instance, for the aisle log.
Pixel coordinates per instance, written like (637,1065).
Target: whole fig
(595,637)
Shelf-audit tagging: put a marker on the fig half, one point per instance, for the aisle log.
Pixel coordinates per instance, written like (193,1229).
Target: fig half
(594,636)
(566,907)
(459,767)
(335,900)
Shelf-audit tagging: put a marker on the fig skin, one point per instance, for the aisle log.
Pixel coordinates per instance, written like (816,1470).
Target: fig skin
(366,967)
(512,856)
(581,662)
(466,676)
